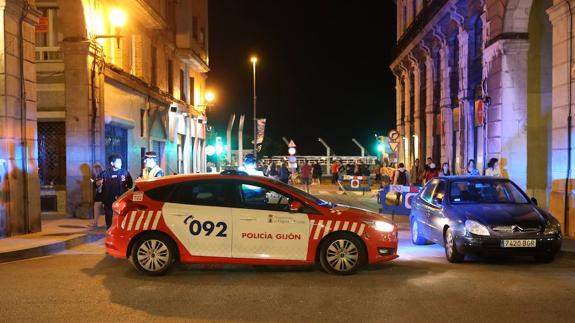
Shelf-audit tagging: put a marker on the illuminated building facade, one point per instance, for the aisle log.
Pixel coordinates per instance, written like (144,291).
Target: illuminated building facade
(481,79)
(112,77)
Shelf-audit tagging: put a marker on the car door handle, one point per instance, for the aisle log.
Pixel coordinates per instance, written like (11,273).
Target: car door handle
(247,219)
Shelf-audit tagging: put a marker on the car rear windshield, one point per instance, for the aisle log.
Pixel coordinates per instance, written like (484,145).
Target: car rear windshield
(482,192)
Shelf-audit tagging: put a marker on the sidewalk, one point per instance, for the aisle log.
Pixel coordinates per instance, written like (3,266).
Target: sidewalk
(57,235)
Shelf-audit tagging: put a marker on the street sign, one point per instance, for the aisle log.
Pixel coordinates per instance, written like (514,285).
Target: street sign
(291,144)
(393,135)
(393,145)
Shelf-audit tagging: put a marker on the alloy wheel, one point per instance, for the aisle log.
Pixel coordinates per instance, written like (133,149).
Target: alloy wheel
(153,255)
(342,255)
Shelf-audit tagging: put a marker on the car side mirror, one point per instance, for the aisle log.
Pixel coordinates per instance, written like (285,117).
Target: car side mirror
(295,206)
(437,201)
(534,200)
(393,198)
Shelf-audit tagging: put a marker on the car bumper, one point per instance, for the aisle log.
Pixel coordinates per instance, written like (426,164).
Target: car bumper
(116,243)
(381,247)
(493,245)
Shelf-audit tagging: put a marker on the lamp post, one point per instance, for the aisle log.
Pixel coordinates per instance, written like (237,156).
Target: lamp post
(254,60)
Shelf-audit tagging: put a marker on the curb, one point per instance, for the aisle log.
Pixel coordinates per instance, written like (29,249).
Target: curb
(51,248)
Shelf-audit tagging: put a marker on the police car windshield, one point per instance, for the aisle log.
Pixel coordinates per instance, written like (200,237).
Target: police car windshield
(297,191)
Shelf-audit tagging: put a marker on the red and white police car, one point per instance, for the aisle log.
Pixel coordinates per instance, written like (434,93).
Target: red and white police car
(233,218)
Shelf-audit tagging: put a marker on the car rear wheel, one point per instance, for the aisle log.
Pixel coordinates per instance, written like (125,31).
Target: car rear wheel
(416,237)
(451,252)
(342,254)
(153,254)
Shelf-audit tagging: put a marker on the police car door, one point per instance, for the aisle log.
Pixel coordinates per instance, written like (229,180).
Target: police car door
(199,215)
(264,228)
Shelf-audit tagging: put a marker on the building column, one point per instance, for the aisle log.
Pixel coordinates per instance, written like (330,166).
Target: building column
(78,125)
(429,117)
(407,120)
(562,104)
(466,105)
(416,118)
(19,182)
(399,121)
(507,87)
(446,112)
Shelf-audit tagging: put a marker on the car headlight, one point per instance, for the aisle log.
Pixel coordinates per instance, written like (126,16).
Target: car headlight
(476,228)
(381,226)
(552,227)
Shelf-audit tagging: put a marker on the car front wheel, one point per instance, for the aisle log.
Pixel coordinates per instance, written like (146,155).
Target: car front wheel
(451,252)
(153,254)
(342,254)
(416,237)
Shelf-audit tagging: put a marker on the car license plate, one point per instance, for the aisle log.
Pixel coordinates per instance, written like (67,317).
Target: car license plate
(531,243)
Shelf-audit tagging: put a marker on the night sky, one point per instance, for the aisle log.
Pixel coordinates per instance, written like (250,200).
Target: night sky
(323,71)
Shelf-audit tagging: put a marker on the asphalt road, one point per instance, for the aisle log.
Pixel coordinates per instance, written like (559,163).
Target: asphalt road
(84,284)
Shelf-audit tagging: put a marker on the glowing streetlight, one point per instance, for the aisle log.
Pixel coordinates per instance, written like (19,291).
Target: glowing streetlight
(210,97)
(254,60)
(117,18)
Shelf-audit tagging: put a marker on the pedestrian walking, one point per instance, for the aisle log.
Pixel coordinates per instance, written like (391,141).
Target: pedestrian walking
(115,181)
(284,173)
(471,169)
(445,170)
(493,168)
(401,176)
(334,168)
(431,172)
(305,174)
(316,175)
(151,167)
(416,173)
(273,171)
(97,191)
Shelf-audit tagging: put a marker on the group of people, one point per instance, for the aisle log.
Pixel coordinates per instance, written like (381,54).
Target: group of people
(339,169)
(419,175)
(112,182)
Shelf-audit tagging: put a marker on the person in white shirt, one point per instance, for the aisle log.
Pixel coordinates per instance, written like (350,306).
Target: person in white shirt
(493,168)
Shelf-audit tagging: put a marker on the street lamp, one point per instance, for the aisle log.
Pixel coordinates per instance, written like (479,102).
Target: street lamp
(254,60)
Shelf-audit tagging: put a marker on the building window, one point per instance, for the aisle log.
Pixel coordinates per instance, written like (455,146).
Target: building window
(170,77)
(116,142)
(154,76)
(142,123)
(48,34)
(182,85)
(404,18)
(192,91)
(52,153)
(180,148)
(195,27)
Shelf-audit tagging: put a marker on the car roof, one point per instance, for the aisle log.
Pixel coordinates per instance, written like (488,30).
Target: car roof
(473,178)
(145,185)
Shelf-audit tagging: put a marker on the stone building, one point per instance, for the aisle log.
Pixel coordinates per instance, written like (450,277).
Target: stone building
(477,79)
(19,185)
(109,77)
(129,94)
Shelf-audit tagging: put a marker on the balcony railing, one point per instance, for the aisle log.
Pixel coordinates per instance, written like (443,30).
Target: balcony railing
(47,54)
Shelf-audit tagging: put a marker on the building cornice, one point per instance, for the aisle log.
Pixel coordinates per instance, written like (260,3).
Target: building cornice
(149,16)
(189,56)
(429,16)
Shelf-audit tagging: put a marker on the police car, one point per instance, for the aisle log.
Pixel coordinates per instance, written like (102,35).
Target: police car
(234,218)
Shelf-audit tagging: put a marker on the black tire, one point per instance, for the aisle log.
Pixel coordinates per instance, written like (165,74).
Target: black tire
(451,252)
(416,237)
(545,258)
(342,254)
(153,254)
